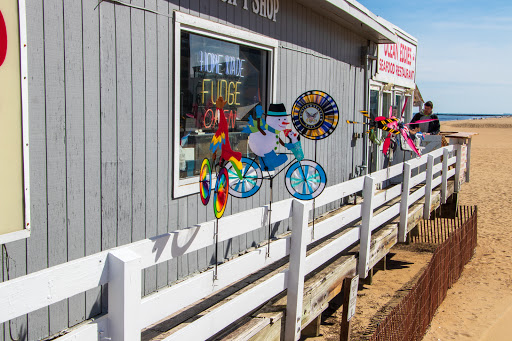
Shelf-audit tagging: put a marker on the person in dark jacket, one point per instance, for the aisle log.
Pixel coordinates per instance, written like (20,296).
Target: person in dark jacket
(432,127)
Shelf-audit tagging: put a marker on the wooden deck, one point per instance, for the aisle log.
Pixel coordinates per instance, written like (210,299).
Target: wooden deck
(320,287)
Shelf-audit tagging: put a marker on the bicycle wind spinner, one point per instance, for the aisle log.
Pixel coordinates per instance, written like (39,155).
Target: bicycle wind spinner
(314,116)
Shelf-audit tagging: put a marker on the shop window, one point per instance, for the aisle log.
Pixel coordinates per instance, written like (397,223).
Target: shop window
(386,103)
(399,103)
(374,103)
(213,65)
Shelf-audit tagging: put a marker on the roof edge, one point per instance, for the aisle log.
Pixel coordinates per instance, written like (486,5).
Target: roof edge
(365,16)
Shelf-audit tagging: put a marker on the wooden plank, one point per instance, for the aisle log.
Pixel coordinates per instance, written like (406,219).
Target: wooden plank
(297,271)
(382,242)
(458,168)
(386,195)
(164,68)
(194,7)
(444,187)
(74,145)
(324,286)
(182,222)
(415,180)
(56,148)
(37,244)
(123,295)
(384,216)
(404,204)
(345,323)
(428,187)
(263,327)
(339,191)
(14,266)
(365,231)
(151,108)
(220,318)
(139,123)
(172,265)
(417,194)
(191,221)
(124,124)
(318,291)
(347,215)
(39,289)
(191,290)
(89,331)
(108,126)
(92,140)
(201,235)
(330,250)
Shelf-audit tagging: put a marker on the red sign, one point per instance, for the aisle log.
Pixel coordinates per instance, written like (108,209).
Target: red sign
(3,39)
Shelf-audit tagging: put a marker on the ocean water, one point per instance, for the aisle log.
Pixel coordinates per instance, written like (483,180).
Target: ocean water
(457,117)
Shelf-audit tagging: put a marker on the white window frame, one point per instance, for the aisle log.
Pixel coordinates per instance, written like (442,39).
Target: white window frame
(189,23)
(377,87)
(25,232)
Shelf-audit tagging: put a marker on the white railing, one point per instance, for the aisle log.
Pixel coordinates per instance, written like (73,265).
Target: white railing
(121,267)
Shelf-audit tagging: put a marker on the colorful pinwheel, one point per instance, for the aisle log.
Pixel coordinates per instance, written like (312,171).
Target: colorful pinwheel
(220,196)
(379,122)
(403,130)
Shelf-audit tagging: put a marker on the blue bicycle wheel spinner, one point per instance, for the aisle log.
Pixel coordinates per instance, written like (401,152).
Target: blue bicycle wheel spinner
(305,180)
(250,183)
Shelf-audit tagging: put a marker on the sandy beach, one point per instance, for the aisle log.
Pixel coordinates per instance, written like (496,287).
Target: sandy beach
(479,305)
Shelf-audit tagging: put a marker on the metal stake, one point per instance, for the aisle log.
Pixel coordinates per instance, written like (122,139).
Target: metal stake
(269,217)
(216,235)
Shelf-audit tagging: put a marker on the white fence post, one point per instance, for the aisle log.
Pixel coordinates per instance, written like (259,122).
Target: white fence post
(428,187)
(444,183)
(296,271)
(468,158)
(404,204)
(124,295)
(458,168)
(365,234)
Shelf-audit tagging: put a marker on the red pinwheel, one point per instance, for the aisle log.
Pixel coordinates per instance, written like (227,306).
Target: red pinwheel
(398,125)
(396,130)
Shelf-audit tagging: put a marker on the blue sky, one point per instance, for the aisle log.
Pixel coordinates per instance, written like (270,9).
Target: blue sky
(464,62)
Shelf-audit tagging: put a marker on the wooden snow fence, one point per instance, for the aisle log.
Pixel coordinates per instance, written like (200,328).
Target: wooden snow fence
(349,241)
(410,319)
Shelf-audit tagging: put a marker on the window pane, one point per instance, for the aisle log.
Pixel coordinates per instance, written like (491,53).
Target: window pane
(374,103)
(398,104)
(211,68)
(386,103)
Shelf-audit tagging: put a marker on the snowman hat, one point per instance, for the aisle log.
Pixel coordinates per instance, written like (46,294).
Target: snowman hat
(276,110)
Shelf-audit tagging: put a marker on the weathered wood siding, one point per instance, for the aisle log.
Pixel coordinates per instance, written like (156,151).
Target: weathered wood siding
(101,121)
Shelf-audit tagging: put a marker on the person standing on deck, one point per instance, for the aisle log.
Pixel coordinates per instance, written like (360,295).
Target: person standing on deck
(430,128)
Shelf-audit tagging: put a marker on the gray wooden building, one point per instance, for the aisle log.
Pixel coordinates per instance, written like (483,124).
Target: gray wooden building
(109,113)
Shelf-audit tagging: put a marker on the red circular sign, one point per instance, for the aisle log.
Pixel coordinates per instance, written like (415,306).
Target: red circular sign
(3,39)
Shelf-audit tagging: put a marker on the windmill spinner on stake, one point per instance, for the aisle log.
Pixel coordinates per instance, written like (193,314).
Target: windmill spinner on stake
(379,122)
(407,143)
